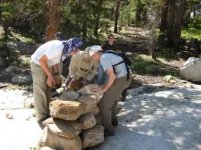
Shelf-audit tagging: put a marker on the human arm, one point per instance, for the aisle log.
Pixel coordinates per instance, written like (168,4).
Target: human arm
(56,69)
(111,77)
(43,63)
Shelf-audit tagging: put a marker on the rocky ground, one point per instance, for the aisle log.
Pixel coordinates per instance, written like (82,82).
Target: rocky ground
(153,117)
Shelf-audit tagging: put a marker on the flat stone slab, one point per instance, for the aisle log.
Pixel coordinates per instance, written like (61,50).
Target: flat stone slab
(165,120)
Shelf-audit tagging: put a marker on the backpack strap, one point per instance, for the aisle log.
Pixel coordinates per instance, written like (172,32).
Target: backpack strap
(115,53)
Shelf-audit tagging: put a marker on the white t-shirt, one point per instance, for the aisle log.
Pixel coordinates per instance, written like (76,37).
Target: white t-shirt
(53,51)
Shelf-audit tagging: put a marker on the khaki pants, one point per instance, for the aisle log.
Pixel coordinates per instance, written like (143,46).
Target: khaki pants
(108,103)
(41,93)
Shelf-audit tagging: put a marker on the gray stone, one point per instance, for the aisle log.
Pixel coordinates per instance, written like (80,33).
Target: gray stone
(93,136)
(11,69)
(87,120)
(22,79)
(69,95)
(191,69)
(89,101)
(2,62)
(89,89)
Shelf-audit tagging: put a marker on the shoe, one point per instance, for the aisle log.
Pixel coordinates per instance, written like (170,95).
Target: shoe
(115,123)
(109,133)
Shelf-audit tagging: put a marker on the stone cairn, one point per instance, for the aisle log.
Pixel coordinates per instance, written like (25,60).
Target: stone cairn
(74,123)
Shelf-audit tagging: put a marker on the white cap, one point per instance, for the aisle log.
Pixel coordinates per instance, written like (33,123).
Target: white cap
(94,49)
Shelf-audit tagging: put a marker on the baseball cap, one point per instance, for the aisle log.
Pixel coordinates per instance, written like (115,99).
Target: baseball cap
(94,49)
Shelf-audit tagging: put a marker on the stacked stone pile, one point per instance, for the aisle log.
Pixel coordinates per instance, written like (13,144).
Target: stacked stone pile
(73,124)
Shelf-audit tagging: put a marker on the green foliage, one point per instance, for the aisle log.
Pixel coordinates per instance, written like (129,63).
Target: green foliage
(143,64)
(85,18)
(166,53)
(189,33)
(8,11)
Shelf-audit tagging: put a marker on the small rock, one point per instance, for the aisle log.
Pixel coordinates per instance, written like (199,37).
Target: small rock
(2,62)
(29,104)
(28,118)
(34,114)
(172,81)
(10,69)
(22,79)
(9,115)
(168,78)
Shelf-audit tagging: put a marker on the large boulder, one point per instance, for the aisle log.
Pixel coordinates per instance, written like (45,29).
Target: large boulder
(59,142)
(87,120)
(67,110)
(191,69)
(90,102)
(93,136)
(67,129)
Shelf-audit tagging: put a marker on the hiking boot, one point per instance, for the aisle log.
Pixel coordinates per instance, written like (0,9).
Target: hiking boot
(115,123)
(109,132)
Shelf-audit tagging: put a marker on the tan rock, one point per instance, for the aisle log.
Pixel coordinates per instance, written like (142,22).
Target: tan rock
(96,110)
(89,89)
(90,102)
(65,129)
(67,110)
(98,119)
(93,136)
(60,143)
(87,120)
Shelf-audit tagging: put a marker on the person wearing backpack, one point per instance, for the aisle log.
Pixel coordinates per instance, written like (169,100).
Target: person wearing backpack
(45,70)
(119,79)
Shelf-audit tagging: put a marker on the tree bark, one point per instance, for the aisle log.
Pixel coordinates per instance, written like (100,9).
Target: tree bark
(54,17)
(116,15)
(139,9)
(163,24)
(176,11)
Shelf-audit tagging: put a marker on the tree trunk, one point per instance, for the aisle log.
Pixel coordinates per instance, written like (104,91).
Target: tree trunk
(176,11)
(54,17)
(116,15)
(163,24)
(97,18)
(139,9)
(84,30)
(96,26)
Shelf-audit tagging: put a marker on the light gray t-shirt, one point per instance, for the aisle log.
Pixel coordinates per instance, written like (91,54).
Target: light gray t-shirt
(107,60)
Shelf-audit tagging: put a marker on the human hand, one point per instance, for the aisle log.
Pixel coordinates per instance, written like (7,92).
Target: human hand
(98,90)
(50,81)
(85,82)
